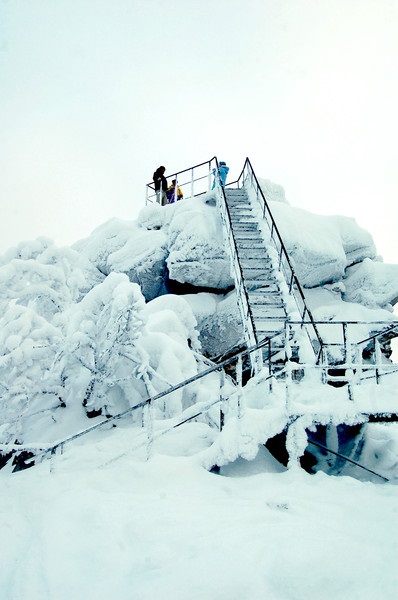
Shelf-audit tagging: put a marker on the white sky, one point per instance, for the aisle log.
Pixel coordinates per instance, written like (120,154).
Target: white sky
(95,94)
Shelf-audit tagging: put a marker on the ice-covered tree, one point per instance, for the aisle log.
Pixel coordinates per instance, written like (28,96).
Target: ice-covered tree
(28,383)
(102,363)
(45,278)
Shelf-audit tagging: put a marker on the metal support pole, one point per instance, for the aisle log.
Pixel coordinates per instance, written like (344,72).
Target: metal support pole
(52,459)
(148,424)
(377,354)
(222,415)
(269,365)
(324,364)
(345,342)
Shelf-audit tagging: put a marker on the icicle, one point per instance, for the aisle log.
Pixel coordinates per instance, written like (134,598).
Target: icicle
(239,370)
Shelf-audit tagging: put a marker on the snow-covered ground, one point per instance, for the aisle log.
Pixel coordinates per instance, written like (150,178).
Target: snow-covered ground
(167,528)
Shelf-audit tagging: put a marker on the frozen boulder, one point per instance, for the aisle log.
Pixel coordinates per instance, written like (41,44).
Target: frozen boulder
(373,284)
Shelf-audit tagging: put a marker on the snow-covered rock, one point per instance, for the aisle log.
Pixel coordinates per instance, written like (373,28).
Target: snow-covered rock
(372,283)
(219,321)
(321,247)
(196,248)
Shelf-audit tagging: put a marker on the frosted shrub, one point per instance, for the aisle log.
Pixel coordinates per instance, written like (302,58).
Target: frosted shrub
(28,383)
(101,350)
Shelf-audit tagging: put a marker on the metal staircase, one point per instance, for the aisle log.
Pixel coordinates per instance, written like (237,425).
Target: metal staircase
(259,275)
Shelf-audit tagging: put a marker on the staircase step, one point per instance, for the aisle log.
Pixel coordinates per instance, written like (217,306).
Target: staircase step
(263,311)
(261,283)
(242,217)
(240,210)
(251,245)
(251,261)
(259,252)
(266,299)
(266,328)
(245,225)
(258,292)
(246,236)
(242,227)
(256,261)
(255,272)
(235,192)
(238,204)
(238,199)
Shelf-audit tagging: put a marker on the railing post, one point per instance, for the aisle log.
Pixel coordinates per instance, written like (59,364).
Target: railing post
(239,378)
(147,422)
(192,184)
(239,370)
(269,365)
(324,364)
(303,316)
(52,457)
(377,354)
(345,341)
(349,373)
(222,415)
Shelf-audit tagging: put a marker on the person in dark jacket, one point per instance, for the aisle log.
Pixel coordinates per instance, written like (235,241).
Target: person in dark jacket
(160,182)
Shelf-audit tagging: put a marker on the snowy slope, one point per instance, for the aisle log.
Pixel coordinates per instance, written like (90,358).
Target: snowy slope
(169,529)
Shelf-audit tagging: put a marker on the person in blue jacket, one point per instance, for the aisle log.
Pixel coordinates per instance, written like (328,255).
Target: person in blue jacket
(222,173)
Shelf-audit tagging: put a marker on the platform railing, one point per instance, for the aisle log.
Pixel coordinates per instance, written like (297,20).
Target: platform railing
(193,181)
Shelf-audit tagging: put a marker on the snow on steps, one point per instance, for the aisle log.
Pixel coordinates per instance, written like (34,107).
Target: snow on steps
(260,278)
